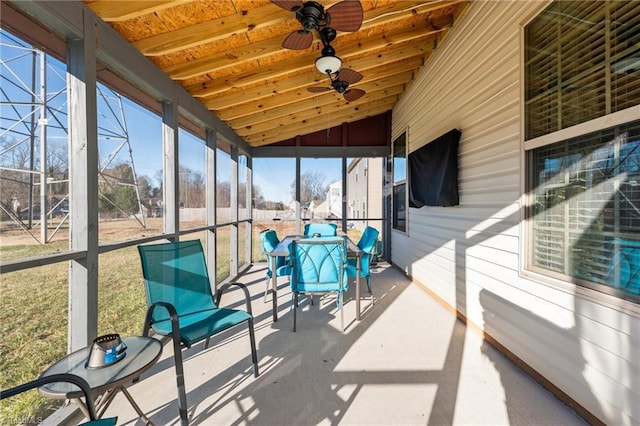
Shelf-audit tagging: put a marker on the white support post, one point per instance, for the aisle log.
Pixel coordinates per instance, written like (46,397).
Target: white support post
(233,237)
(83,189)
(170,171)
(45,184)
(249,213)
(297,201)
(343,204)
(211,137)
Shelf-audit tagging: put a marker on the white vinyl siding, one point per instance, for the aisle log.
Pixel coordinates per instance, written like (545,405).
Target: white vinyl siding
(471,256)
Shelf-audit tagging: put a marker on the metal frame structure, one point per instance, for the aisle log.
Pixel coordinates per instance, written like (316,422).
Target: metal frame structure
(35,120)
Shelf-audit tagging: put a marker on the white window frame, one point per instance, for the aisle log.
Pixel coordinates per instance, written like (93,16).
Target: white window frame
(405,182)
(614,119)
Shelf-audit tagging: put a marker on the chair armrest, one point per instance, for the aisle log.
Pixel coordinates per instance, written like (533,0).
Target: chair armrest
(172,313)
(226,286)
(175,323)
(62,377)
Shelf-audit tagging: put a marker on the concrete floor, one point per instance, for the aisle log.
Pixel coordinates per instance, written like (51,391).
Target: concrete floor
(408,362)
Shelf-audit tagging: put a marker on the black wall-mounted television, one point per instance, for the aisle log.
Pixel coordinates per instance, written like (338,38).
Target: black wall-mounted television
(433,172)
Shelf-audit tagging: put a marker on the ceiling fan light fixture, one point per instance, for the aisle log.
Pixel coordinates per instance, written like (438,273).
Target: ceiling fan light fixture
(328,64)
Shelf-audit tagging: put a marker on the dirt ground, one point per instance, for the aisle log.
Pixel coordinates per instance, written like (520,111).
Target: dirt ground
(115,230)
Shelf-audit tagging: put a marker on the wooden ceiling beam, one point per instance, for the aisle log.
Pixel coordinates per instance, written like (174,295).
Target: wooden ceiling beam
(398,10)
(308,101)
(334,101)
(318,100)
(117,11)
(207,32)
(252,52)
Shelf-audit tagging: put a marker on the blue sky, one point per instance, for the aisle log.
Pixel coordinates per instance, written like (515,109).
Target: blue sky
(275,175)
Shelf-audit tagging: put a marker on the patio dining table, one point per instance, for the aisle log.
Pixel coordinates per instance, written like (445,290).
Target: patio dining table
(282,249)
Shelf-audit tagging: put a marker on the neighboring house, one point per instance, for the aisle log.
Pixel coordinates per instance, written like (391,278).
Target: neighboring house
(334,199)
(364,189)
(317,209)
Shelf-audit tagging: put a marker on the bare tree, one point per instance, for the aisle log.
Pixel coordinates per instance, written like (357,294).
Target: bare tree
(312,187)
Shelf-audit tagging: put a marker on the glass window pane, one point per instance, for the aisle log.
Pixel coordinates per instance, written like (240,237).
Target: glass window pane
(121,294)
(320,189)
(400,159)
(586,208)
(243,213)
(399,207)
(120,201)
(582,62)
(273,199)
(33,329)
(364,191)
(191,180)
(34,190)
(223,187)
(243,228)
(399,182)
(223,253)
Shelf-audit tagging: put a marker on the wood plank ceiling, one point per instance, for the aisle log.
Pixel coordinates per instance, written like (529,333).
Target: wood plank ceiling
(228,54)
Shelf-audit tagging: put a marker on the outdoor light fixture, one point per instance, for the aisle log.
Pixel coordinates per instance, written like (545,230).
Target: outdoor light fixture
(328,63)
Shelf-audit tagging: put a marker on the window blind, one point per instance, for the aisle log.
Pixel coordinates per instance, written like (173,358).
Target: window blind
(586,206)
(582,61)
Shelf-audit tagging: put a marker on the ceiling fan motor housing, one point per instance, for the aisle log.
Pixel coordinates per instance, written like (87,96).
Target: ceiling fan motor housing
(340,85)
(328,50)
(311,15)
(328,34)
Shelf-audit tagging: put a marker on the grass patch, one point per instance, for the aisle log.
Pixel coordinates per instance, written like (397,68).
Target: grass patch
(33,325)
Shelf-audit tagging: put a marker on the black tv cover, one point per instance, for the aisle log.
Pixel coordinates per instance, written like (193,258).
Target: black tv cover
(433,172)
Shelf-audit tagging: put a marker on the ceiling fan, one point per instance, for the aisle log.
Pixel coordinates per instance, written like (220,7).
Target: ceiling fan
(344,16)
(340,82)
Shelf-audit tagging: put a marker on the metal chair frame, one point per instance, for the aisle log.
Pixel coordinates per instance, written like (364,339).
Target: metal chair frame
(314,274)
(69,378)
(180,332)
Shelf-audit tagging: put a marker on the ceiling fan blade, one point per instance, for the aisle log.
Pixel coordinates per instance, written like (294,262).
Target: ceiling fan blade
(317,89)
(354,94)
(298,40)
(290,5)
(350,76)
(346,15)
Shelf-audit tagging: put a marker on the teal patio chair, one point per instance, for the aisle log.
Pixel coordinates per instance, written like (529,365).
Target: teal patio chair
(367,244)
(324,229)
(318,268)
(68,378)
(269,239)
(182,306)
